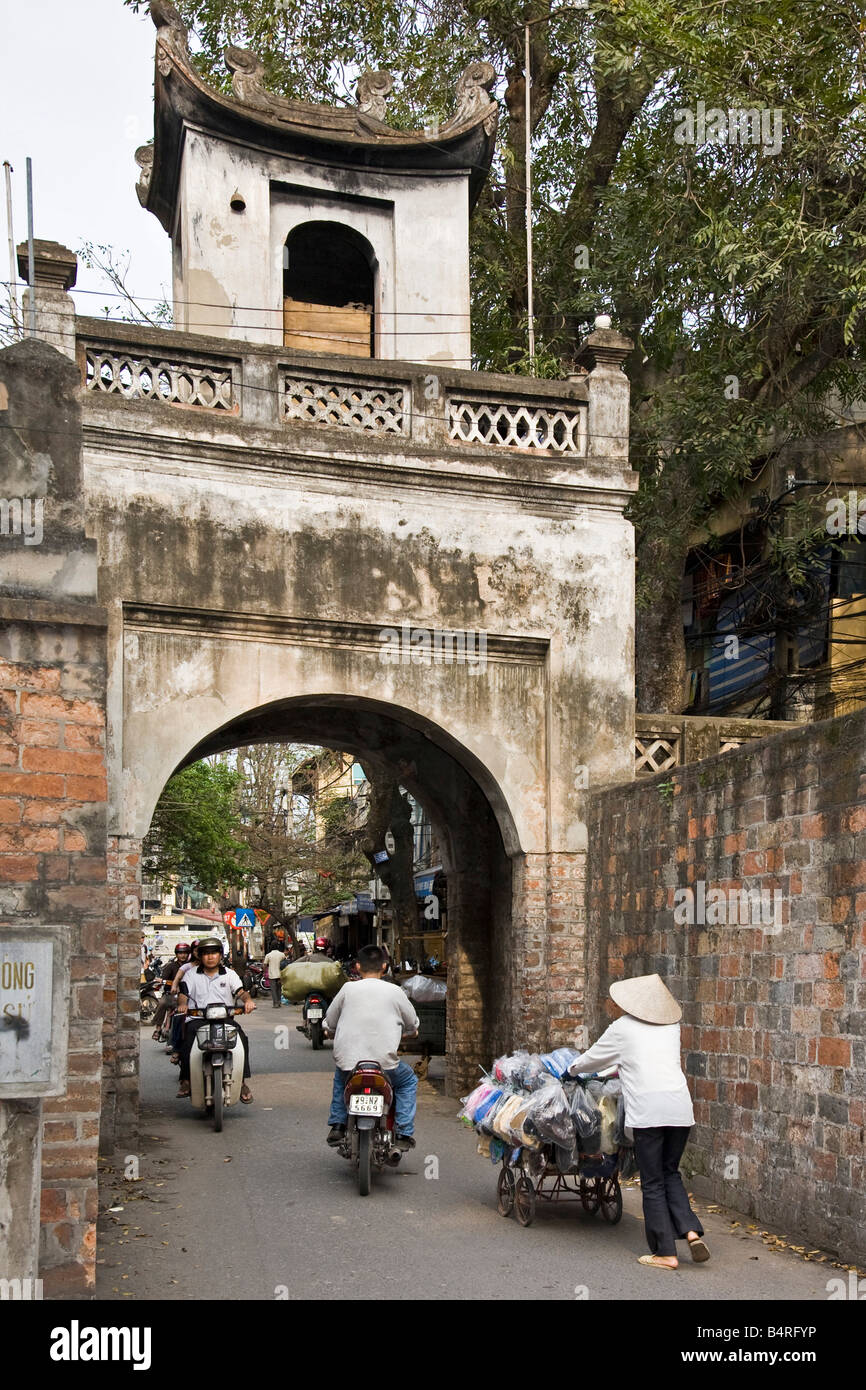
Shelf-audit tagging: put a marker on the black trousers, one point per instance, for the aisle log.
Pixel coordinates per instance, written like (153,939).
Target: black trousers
(666,1210)
(189,1032)
(277,993)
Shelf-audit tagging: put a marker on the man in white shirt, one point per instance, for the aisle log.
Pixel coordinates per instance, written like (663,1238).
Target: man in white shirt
(211,983)
(274,961)
(368,1019)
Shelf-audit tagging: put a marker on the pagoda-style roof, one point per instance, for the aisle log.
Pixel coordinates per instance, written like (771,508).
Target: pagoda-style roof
(345,136)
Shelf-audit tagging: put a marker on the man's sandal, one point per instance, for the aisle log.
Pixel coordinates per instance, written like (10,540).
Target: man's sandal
(246,1096)
(654,1262)
(183,1089)
(699,1250)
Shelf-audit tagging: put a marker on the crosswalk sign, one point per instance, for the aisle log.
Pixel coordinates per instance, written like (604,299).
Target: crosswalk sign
(245,917)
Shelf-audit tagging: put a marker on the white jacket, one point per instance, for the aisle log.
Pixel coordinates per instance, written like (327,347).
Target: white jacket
(648,1058)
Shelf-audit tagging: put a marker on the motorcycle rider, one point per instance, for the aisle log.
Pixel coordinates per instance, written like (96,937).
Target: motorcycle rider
(181,957)
(211,982)
(367,1022)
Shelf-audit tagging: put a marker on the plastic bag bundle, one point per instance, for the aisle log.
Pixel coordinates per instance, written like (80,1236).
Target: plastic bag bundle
(608,1107)
(473,1100)
(302,976)
(549,1116)
(503,1124)
(509,1070)
(535,1073)
(484,1106)
(485,1117)
(558,1061)
(523,1136)
(585,1113)
(421,989)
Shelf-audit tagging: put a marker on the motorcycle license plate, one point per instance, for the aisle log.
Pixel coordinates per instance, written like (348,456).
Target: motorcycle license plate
(314,1013)
(366,1105)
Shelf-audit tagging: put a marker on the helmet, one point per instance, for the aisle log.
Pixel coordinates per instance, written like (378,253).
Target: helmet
(210,943)
(182,946)
(321,943)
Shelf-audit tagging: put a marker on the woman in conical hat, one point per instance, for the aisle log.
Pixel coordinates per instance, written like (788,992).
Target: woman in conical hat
(644,1043)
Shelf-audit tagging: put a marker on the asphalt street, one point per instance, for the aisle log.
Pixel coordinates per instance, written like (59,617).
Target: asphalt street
(265,1210)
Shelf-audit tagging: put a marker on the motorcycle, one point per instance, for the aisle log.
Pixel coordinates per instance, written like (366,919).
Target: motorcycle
(216,1062)
(315,1008)
(369,1138)
(149,991)
(258,979)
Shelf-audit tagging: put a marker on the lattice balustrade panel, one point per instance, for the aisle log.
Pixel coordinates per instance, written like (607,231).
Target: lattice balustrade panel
(376,409)
(144,378)
(513,426)
(655,753)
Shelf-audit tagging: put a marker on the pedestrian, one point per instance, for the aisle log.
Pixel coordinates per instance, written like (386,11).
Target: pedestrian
(275,961)
(644,1043)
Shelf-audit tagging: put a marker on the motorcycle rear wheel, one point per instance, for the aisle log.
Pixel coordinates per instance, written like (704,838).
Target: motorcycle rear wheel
(365,1150)
(316,1035)
(218,1100)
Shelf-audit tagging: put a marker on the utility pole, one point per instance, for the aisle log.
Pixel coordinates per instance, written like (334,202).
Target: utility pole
(530,308)
(31,270)
(13,265)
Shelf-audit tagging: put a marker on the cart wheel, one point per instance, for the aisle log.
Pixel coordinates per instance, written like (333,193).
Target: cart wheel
(589,1195)
(524,1200)
(611,1201)
(505,1192)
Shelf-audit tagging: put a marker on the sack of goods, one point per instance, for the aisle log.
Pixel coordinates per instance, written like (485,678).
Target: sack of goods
(421,989)
(525,1103)
(302,976)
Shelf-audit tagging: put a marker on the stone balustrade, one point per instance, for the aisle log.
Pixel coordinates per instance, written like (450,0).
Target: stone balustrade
(264,385)
(666,741)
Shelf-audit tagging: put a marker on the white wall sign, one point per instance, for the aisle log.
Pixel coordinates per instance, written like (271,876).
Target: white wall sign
(34,1010)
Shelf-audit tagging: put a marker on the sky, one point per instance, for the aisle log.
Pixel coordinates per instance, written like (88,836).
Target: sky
(80,120)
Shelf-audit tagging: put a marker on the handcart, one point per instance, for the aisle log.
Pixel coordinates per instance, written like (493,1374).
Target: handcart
(526,1178)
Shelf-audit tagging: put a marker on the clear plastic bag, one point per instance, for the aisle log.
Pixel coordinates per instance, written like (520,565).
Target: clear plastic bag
(558,1061)
(474,1100)
(535,1073)
(485,1116)
(509,1070)
(549,1116)
(421,989)
(585,1113)
(608,1107)
(503,1125)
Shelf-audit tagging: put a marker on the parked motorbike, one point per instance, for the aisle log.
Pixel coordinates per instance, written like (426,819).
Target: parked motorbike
(315,1008)
(369,1137)
(216,1062)
(149,991)
(258,979)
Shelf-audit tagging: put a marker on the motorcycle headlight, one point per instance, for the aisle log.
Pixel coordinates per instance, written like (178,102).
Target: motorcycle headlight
(216,1011)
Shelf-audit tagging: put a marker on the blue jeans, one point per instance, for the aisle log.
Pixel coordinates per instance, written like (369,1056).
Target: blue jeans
(405,1085)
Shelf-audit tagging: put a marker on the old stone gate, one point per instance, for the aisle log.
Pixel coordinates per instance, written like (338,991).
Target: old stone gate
(248,513)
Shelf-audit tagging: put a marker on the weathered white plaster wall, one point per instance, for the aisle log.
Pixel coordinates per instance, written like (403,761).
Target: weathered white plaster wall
(228,266)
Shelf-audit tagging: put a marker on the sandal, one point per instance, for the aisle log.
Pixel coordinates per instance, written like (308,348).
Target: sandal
(157,1036)
(655,1262)
(246,1095)
(699,1250)
(175,1059)
(183,1089)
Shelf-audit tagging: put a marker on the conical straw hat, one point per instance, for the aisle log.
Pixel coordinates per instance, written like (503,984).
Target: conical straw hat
(646,997)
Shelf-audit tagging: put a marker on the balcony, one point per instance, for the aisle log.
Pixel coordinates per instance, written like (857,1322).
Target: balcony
(396,402)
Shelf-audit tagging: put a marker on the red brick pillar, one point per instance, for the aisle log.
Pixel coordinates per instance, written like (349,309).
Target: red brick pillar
(566,947)
(120,1040)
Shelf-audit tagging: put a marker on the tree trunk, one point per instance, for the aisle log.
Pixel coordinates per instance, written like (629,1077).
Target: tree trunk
(660,648)
(390,810)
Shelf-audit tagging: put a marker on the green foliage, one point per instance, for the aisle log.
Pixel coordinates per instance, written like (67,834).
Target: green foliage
(195,831)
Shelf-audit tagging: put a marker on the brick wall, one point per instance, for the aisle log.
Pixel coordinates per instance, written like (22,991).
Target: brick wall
(52,870)
(774,1015)
(120,1038)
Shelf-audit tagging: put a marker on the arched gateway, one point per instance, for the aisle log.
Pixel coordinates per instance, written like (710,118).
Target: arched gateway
(388,554)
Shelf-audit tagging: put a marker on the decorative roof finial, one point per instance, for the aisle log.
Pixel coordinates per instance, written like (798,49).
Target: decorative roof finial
(474,86)
(144,160)
(372,90)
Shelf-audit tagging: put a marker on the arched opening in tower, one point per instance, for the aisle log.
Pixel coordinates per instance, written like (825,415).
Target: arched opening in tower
(329,281)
